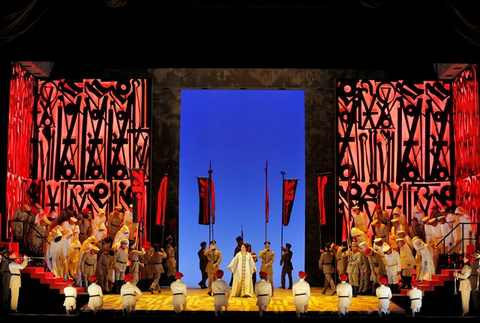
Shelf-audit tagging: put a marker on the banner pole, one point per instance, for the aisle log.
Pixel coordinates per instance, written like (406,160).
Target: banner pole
(283,203)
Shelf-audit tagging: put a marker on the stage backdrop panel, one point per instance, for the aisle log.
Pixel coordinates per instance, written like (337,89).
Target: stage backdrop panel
(89,135)
(395,140)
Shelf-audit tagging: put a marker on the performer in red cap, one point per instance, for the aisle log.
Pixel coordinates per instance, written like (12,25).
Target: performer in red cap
(95,300)
(16,264)
(301,294)
(263,291)
(130,295)
(70,301)
(345,294)
(179,292)
(415,296)
(384,294)
(221,292)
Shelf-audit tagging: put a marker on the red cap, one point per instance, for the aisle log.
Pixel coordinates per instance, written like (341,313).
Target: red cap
(378,207)
(93,278)
(69,281)
(263,274)
(302,274)
(414,282)
(383,281)
(178,275)
(219,273)
(128,277)
(85,211)
(344,277)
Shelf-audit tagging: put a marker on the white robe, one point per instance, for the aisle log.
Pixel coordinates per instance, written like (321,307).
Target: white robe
(242,267)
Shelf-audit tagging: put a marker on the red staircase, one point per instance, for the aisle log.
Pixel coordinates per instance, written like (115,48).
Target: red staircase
(437,280)
(46,277)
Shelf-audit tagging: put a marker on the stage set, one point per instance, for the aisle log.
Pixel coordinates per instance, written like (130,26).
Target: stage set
(101,179)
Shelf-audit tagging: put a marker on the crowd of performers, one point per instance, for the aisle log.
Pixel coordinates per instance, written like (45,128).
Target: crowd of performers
(402,253)
(387,251)
(77,246)
(390,246)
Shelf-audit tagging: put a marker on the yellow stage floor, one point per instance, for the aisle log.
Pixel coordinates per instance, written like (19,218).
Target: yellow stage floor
(281,302)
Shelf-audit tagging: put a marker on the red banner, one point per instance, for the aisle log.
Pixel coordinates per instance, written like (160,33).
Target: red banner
(162,201)
(289,189)
(321,181)
(137,178)
(204,208)
(212,201)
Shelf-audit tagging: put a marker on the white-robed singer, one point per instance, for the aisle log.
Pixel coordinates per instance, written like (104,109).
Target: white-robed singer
(242,267)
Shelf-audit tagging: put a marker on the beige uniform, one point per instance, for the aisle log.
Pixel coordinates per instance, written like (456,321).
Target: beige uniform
(268,258)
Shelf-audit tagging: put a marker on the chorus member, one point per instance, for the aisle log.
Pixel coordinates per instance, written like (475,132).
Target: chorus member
(365,271)
(345,294)
(85,225)
(393,266)
(105,270)
(382,216)
(115,221)
(70,292)
(202,265)
(377,266)
(179,292)
(128,221)
(134,256)
(465,287)
(263,292)
(95,295)
(326,264)
(415,296)
(121,234)
(384,295)
(359,236)
(400,216)
(88,265)
(354,257)
(121,263)
(287,266)
(301,294)
(360,219)
(15,266)
(157,266)
(99,218)
(416,229)
(381,231)
(214,257)
(424,263)
(130,294)
(170,262)
(221,293)
(268,258)
(474,281)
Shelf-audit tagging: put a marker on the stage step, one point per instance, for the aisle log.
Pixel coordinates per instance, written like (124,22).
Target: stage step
(46,277)
(437,280)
